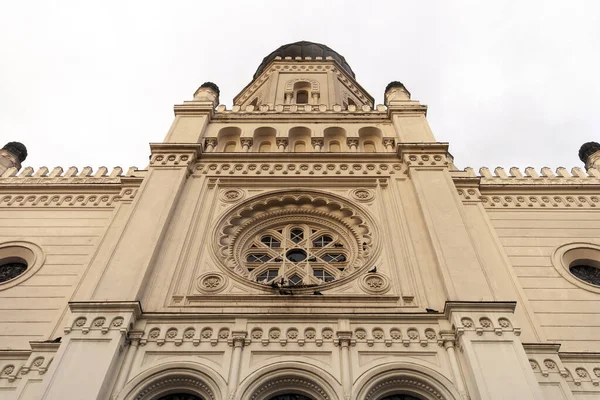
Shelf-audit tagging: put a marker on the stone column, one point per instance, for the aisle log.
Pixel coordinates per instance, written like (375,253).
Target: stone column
(317,143)
(134,342)
(11,156)
(352,144)
(344,341)
(315,98)
(238,341)
(282,144)
(589,153)
(211,144)
(449,340)
(389,143)
(246,144)
(288,97)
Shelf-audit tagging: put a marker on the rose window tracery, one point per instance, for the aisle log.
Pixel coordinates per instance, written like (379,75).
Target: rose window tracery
(295,240)
(296,255)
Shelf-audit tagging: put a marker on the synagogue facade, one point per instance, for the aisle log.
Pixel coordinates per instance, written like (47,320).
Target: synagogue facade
(305,244)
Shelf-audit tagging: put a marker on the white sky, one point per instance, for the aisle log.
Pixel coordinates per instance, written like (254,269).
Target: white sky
(507,83)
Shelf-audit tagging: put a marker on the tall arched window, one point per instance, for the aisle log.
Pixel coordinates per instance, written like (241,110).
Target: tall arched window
(302,97)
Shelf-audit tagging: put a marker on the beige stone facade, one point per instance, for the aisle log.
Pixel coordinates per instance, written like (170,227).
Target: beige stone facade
(305,242)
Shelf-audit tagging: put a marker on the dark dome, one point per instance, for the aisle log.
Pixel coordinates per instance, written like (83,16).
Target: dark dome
(16,149)
(587,149)
(304,49)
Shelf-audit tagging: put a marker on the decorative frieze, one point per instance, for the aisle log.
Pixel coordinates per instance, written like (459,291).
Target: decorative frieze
(67,200)
(302,169)
(539,201)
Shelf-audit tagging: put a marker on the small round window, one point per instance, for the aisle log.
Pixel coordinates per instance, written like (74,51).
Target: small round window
(10,268)
(579,263)
(586,270)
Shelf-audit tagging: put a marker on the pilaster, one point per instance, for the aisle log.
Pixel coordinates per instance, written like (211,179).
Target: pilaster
(130,263)
(457,258)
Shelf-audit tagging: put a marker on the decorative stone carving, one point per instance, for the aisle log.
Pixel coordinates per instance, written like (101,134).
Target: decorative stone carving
(79,322)
(99,322)
(466,322)
(211,282)
(171,333)
(504,323)
(274,333)
(207,333)
(353,229)
(551,365)
(257,333)
(189,333)
(232,195)
(56,200)
(378,334)
(485,322)
(582,373)
(154,333)
(363,195)
(310,333)
(413,334)
(302,169)
(171,160)
(374,283)
(360,334)
(396,334)
(327,333)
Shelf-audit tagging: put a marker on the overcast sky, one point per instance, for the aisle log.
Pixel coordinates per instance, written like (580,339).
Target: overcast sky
(507,83)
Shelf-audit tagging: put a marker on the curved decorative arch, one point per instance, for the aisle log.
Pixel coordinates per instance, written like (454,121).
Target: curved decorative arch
(406,378)
(314,84)
(172,377)
(241,222)
(290,377)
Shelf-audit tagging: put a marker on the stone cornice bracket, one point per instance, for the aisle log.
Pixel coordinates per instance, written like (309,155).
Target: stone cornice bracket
(174,155)
(425,155)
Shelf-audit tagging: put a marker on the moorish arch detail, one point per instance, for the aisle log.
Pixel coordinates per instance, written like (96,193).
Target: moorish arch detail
(314,84)
(281,379)
(393,381)
(301,239)
(167,380)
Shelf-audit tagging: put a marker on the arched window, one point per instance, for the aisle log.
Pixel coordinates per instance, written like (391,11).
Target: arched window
(302,97)
(180,396)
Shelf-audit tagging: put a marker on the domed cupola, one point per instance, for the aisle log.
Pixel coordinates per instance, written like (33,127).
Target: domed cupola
(304,76)
(304,49)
